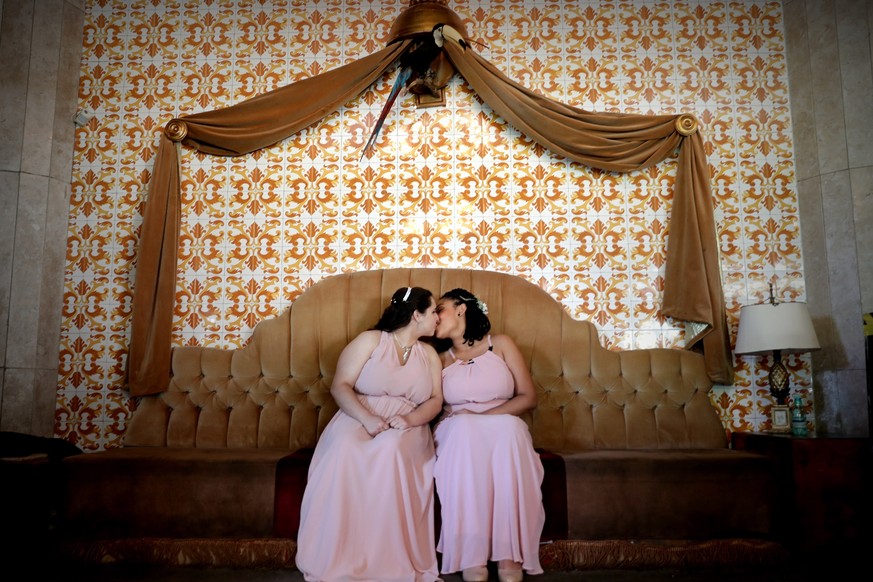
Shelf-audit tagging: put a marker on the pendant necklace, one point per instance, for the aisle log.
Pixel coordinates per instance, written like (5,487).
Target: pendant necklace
(405,349)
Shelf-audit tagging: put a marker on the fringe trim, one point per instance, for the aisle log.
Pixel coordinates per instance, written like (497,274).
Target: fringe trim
(279,554)
(274,554)
(657,554)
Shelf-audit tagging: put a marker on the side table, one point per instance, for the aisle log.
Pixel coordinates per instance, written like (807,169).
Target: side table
(825,482)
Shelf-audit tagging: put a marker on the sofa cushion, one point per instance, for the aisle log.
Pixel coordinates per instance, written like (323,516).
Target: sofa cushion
(674,494)
(171,492)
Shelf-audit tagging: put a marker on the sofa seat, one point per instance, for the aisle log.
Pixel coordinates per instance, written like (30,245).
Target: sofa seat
(668,494)
(171,492)
(213,467)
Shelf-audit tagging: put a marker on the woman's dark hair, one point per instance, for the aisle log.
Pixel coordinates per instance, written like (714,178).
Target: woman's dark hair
(478,324)
(404,302)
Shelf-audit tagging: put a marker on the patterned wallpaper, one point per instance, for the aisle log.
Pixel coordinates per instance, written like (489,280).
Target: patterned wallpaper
(451,186)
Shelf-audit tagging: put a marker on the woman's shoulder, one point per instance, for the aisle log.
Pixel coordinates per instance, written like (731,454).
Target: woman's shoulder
(501,340)
(370,337)
(504,346)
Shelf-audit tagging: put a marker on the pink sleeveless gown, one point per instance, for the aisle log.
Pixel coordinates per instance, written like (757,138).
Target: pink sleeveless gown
(488,476)
(367,512)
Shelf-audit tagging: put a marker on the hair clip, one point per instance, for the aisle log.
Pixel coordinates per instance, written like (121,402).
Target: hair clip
(408,291)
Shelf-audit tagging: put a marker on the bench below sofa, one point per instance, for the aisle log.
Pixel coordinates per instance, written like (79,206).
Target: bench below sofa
(212,471)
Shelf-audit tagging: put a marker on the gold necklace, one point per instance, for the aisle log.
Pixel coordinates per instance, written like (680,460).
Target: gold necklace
(406,349)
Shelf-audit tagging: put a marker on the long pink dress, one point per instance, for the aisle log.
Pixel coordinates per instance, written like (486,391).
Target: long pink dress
(367,512)
(488,476)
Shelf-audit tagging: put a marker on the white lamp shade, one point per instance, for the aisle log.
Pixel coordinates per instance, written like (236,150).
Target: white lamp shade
(782,326)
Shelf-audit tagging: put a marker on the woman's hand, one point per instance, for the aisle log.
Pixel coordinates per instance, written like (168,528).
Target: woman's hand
(399,422)
(374,425)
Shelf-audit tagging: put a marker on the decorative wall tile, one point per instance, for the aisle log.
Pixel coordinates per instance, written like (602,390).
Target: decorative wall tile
(451,186)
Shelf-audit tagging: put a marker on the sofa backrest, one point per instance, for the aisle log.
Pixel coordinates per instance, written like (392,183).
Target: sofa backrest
(275,391)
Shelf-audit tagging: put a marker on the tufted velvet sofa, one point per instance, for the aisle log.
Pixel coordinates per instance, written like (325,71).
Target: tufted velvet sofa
(638,470)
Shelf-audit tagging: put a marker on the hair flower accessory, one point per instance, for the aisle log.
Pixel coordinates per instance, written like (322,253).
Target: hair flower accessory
(483,307)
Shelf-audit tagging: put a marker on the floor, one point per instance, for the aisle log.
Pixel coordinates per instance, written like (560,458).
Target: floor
(798,570)
(842,561)
(107,573)
(844,558)
(139,574)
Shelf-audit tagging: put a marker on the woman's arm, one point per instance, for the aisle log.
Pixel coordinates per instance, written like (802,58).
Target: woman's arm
(427,410)
(525,397)
(348,368)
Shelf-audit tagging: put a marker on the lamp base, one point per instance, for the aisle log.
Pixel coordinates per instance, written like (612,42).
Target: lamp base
(780,418)
(778,378)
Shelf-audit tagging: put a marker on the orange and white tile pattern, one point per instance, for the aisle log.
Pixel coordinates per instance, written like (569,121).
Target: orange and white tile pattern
(453,186)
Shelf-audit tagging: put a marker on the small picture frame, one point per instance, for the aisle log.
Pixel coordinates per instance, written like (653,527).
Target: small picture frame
(780,418)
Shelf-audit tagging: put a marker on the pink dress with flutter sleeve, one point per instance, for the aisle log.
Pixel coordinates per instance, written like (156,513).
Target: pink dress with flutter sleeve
(367,512)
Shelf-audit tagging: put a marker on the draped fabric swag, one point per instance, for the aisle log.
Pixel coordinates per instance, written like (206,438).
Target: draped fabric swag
(609,141)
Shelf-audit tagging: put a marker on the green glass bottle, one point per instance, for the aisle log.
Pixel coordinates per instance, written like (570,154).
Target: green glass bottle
(798,418)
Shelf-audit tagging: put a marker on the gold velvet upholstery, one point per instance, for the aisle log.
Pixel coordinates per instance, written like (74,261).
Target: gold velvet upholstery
(274,392)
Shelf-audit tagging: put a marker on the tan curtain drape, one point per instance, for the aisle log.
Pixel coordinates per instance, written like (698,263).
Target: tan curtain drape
(609,141)
(256,123)
(622,142)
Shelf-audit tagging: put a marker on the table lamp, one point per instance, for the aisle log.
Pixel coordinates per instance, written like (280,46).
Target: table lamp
(778,327)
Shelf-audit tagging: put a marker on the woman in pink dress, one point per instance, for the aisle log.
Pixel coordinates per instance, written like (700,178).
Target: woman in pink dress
(367,511)
(488,476)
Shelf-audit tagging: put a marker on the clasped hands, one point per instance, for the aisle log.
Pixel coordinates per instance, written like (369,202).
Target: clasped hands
(376,424)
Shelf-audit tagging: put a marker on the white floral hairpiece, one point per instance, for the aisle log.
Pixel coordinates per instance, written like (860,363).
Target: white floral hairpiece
(483,307)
